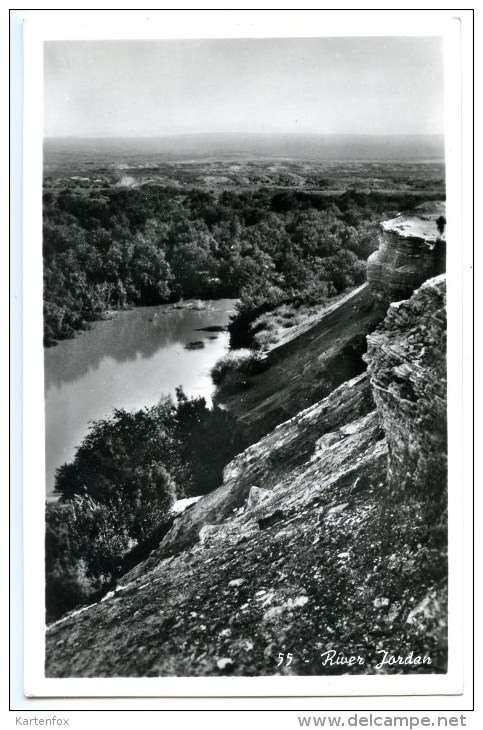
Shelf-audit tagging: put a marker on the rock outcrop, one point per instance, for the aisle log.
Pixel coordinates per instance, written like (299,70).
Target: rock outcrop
(412,249)
(407,366)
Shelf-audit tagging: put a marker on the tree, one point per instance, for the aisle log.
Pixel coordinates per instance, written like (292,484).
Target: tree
(192,262)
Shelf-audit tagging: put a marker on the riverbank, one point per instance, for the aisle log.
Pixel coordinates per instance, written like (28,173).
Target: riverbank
(129,361)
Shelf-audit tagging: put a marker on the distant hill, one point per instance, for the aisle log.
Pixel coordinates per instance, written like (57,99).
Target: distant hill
(247,146)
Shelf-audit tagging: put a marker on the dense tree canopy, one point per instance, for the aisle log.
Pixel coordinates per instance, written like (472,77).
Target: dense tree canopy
(113,247)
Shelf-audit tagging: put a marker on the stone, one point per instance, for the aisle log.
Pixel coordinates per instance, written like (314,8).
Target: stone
(208,532)
(236,583)
(256,495)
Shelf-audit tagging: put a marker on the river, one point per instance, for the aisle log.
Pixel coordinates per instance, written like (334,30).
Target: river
(128,361)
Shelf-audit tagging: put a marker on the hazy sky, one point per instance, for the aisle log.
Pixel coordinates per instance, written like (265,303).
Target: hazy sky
(321,85)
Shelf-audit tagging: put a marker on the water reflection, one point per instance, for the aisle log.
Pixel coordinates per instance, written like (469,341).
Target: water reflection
(128,335)
(127,362)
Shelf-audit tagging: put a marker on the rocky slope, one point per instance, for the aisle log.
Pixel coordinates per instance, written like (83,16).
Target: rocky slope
(307,368)
(311,545)
(275,457)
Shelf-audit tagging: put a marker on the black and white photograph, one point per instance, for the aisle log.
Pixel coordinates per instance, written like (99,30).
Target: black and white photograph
(245,432)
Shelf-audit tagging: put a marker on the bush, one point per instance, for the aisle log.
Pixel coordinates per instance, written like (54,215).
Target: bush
(84,542)
(250,307)
(231,372)
(207,443)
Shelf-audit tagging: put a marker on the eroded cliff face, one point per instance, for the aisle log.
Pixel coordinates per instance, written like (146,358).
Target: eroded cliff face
(411,250)
(407,366)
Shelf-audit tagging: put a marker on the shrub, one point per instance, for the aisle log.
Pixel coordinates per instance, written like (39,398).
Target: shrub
(250,307)
(266,338)
(84,542)
(231,372)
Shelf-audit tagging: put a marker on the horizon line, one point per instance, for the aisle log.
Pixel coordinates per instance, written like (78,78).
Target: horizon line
(271,134)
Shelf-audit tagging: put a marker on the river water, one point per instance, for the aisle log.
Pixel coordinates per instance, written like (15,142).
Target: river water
(128,361)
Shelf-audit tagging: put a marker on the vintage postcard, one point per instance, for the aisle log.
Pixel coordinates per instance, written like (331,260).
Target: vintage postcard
(243,436)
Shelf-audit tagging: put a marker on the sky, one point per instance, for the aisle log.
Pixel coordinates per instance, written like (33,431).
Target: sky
(388,85)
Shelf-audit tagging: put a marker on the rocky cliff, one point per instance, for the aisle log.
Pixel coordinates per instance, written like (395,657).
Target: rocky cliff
(407,366)
(411,250)
(327,535)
